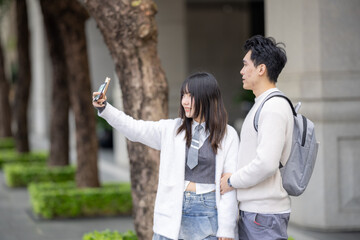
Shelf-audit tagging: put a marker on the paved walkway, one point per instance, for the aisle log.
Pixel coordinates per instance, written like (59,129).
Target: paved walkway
(17,222)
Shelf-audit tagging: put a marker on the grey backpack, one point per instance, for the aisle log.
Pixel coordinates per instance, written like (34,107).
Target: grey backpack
(296,172)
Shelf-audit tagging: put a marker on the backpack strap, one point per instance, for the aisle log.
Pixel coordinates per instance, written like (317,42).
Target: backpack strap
(271,95)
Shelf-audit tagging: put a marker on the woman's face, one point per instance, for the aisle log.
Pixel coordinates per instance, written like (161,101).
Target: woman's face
(188,104)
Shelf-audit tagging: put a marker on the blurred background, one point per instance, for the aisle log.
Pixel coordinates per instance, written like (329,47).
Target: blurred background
(322,39)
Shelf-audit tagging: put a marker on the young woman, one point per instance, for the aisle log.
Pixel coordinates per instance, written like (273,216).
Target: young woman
(196,149)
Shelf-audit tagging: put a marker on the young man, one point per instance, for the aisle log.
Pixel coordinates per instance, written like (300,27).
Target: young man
(264,203)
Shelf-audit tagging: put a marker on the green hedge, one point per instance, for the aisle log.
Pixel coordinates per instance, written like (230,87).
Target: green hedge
(7,143)
(11,156)
(21,174)
(110,235)
(51,200)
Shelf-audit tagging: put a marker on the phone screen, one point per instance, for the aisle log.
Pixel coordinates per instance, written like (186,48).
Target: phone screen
(101,89)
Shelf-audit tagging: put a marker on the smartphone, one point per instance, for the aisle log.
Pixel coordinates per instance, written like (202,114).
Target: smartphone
(103,88)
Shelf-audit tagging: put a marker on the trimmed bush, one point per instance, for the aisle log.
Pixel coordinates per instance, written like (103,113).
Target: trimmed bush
(7,143)
(11,156)
(64,200)
(21,174)
(110,235)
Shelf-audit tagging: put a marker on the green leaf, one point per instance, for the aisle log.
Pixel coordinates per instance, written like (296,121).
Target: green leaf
(135,3)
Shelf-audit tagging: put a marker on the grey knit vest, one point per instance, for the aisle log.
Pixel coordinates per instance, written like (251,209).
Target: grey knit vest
(204,172)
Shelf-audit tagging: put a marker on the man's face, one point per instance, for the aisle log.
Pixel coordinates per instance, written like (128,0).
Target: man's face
(249,73)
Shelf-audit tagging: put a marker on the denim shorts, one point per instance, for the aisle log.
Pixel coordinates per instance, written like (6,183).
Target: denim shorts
(199,217)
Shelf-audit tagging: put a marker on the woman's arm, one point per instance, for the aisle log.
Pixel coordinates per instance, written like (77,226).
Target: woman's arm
(146,132)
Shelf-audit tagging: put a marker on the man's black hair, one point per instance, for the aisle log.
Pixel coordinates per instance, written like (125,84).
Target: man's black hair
(265,50)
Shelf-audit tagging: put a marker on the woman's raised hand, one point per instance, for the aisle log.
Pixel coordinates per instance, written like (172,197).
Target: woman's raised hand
(100,101)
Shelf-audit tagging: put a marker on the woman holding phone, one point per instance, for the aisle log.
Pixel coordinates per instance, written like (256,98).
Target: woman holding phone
(196,149)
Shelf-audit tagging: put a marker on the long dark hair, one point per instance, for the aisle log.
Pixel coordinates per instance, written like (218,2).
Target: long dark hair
(209,105)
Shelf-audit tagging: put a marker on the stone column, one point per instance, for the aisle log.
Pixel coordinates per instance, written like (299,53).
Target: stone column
(172,47)
(120,147)
(323,72)
(101,66)
(40,101)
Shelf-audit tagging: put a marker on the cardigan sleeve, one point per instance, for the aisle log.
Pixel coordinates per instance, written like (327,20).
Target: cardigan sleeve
(228,208)
(146,132)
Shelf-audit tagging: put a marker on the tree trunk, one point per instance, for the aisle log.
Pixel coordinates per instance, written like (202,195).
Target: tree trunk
(72,28)
(5,111)
(59,127)
(24,78)
(130,32)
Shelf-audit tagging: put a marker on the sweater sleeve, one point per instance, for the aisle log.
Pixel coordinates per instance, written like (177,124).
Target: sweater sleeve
(271,138)
(227,208)
(146,132)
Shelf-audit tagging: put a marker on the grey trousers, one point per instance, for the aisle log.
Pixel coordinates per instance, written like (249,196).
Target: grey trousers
(255,226)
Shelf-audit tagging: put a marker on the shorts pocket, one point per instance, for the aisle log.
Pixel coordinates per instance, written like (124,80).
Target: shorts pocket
(264,220)
(209,203)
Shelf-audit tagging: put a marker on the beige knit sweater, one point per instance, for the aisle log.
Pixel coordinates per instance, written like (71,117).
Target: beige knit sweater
(258,180)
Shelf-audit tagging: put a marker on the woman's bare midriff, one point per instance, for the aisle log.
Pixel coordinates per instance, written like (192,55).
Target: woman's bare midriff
(191,187)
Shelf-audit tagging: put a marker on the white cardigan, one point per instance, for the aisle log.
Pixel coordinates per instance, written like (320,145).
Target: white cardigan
(162,135)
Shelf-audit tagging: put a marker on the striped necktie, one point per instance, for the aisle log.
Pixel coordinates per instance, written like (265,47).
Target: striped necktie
(192,159)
